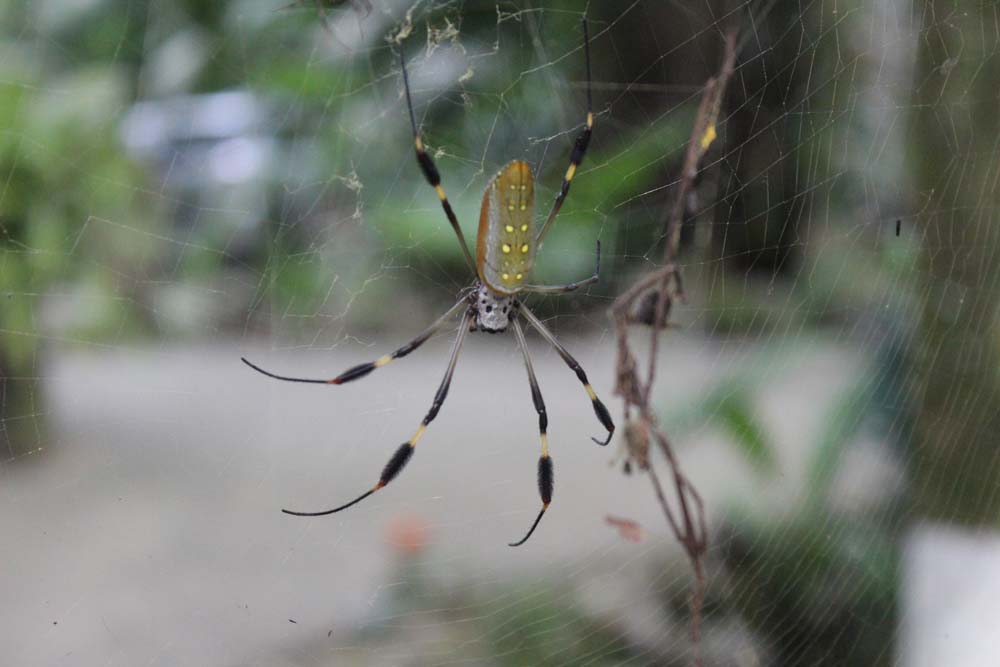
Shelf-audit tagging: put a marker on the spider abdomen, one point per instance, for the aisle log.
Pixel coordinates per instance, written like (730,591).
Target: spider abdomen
(505,248)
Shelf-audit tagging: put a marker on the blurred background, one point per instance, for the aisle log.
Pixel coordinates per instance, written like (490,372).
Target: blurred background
(185,183)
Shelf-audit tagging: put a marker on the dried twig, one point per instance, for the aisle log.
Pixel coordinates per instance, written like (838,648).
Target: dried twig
(648,302)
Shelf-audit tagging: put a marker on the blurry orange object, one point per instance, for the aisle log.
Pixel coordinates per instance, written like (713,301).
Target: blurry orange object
(627,529)
(408,533)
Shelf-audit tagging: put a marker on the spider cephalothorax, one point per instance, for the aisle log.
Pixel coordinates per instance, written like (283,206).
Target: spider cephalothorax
(505,253)
(493,311)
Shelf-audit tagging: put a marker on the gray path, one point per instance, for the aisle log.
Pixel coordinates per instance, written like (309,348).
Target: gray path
(149,533)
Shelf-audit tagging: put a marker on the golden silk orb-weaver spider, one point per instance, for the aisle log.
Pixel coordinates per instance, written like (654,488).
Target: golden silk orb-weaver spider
(505,253)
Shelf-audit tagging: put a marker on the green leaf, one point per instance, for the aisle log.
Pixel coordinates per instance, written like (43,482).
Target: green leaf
(839,429)
(732,409)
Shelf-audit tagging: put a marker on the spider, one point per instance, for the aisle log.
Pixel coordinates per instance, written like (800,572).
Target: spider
(505,252)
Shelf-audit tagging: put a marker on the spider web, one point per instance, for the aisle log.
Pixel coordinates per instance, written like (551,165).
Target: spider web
(187,183)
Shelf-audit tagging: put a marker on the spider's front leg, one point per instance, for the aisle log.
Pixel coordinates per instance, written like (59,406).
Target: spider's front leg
(430,170)
(579,147)
(405,451)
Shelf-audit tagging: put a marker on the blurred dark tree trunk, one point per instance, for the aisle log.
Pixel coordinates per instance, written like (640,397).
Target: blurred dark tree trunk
(765,179)
(21,413)
(956,151)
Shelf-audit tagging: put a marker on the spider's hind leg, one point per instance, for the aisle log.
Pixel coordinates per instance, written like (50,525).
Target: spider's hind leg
(405,451)
(599,408)
(545,472)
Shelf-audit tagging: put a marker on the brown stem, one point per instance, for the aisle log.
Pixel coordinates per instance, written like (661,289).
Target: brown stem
(691,528)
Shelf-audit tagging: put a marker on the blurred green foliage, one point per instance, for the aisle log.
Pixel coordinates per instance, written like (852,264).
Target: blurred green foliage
(340,217)
(545,628)
(58,179)
(729,406)
(955,459)
(529,623)
(819,586)
(818,590)
(74,218)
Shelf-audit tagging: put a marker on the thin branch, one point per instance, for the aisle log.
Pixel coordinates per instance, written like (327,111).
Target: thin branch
(648,302)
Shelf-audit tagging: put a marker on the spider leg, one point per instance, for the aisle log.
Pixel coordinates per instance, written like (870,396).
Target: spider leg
(599,409)
(579,148)
(364,369)
(545,478)
(561,289)
(430,170)
(402,455)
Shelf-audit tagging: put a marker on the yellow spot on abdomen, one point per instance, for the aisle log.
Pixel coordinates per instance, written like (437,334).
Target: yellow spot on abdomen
(509,229)
(506,248)
(524,248)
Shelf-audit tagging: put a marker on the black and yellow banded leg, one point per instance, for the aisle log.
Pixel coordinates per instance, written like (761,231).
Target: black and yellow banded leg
(599,408)
(579,148)
(430,169)
(361,370)
(561,289)
(402,455)
(545,473)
